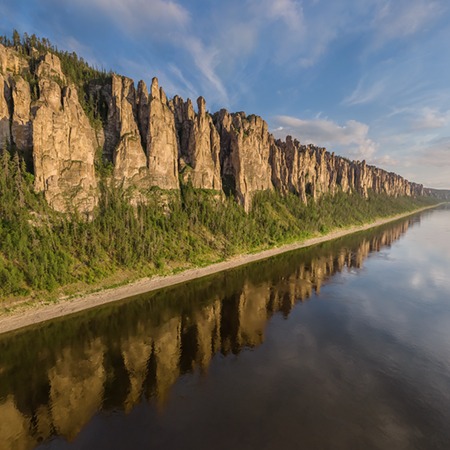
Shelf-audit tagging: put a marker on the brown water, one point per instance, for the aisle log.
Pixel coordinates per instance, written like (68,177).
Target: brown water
(341,346)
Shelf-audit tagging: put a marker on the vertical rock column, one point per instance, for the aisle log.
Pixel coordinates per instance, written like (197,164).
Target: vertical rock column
(21,125)
(162,144)
(130,162)
(5,128)
(64,143)
(245,154)
(199,145)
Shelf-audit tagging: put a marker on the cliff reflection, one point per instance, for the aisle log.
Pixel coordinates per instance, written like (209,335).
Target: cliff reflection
(53,380)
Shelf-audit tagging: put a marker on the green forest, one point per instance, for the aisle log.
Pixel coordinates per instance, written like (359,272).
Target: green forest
(42,250)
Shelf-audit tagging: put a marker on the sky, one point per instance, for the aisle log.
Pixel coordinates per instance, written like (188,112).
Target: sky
(367,79)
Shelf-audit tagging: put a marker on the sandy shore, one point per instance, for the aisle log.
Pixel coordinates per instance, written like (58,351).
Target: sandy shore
(41,313)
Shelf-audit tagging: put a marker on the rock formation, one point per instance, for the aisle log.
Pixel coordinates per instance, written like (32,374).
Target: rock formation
(310,170)
(21,125)
(153,142)
(244,154)
(162,144)
(122,138)
(5,114)
(199,145)
(63,143)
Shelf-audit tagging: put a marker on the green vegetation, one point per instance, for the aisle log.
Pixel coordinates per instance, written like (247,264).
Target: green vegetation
(41,250)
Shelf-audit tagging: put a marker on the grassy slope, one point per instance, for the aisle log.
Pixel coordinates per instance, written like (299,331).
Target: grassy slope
(42,251)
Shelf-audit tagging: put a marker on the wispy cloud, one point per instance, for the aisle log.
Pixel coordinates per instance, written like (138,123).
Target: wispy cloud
(133,15)
(398,19)
(170,23)
(289,11)
(437,154)
(72,44)
(365,93)
(207,59)
(431,118)
(352,137)
(189,87)
(385,161)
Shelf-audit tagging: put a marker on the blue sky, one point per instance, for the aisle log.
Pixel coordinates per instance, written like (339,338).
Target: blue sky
(368,79)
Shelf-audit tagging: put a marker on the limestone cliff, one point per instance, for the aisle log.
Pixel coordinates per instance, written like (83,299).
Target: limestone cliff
(244,154)
(310,170)
(63,142)
(199,144)
(162,144)
(122,138)
(153,142)
(21,124)
(5,101)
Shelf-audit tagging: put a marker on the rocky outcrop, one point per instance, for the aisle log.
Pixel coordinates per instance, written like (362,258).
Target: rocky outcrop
(244,154)
(122,137)
(21,124)
(5,112)
(11,62)
(199,145)
(162,144)
(153,142)
(15,102)
(312,171)
(63,144)
(440,194)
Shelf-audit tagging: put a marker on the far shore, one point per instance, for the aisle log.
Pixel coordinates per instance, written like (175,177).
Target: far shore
(39,313)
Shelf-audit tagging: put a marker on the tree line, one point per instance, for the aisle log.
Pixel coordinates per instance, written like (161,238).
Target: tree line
(42,250)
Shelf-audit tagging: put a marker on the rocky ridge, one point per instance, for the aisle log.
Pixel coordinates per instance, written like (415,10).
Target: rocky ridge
(153,142)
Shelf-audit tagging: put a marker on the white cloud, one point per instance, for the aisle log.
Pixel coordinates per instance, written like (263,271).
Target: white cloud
(385,160)
(437,154)
(351,137)
(365,94)
(289,11)
(431,118)
(189,88)
(397,19)
(419,157)
(206,59)
(72,44)
(171,23)
(136,14)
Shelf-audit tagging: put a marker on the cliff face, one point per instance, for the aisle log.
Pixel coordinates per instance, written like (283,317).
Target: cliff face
(140,137)
(123,144)
(162,144)
(199,144)
(152,142)
(312,170)
(63,142)
(244,154)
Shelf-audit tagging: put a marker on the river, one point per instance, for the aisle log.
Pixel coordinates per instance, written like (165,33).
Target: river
(345,345)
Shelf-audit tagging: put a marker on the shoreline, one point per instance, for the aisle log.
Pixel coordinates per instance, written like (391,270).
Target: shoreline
(42,313)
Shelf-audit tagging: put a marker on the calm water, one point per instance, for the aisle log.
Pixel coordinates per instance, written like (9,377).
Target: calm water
(341,346)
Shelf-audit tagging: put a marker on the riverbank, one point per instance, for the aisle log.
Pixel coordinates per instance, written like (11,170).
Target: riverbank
(38,313)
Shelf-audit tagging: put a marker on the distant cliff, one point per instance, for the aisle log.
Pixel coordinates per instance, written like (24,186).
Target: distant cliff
(149,141)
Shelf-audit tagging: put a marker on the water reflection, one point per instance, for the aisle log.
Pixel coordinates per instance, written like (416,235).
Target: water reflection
(54,379)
